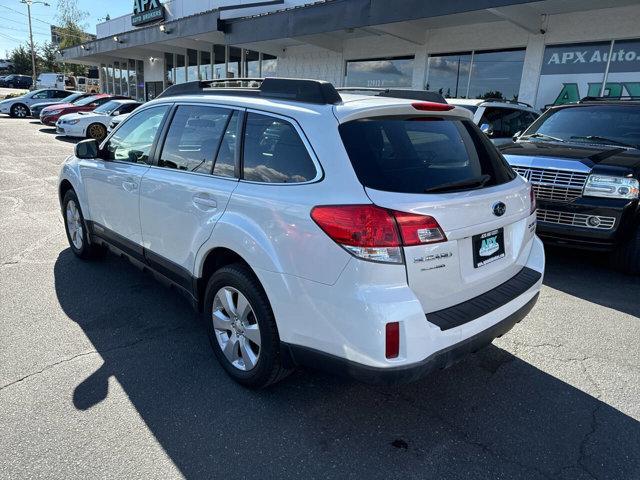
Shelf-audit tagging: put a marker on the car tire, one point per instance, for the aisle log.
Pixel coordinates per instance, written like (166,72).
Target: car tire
(97,131)
(19,110)
(76,229)
(627,257)
(251,359)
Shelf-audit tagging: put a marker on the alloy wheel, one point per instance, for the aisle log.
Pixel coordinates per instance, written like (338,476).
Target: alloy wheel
(236,328)
(96,132)
(74,224)
(20,111)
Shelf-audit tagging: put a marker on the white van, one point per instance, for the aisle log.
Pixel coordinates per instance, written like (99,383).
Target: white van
(51,80)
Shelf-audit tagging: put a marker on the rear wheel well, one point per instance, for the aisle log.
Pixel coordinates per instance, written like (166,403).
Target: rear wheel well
(215,260)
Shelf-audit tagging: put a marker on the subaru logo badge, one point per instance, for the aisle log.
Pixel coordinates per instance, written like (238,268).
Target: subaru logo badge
(499,209)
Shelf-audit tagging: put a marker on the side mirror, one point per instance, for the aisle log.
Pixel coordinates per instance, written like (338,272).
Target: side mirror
(116,113)
(487,129)
(87,149)
(517,135)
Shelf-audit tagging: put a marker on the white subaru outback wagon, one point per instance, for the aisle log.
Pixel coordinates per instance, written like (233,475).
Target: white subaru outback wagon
(373,236)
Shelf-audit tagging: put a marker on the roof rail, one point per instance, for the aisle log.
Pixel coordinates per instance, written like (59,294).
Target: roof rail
(628,98)
(291,89)
(422,95)
(504,100)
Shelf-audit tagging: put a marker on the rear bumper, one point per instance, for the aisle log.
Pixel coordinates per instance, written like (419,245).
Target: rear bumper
(308,357)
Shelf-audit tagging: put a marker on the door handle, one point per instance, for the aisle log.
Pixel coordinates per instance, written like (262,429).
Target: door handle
(129,185)
(205,202)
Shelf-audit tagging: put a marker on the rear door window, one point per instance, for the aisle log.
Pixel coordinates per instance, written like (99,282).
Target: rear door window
(193,138)
(506,122)
(274,152)
(422,155)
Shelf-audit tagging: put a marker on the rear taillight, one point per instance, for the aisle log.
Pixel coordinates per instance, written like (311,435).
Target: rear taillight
(374,233)
(532,197)
(392,340)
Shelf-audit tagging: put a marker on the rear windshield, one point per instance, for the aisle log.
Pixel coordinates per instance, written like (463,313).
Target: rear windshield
(422,155)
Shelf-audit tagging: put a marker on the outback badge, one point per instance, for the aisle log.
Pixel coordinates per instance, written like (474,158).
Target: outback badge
(499,209)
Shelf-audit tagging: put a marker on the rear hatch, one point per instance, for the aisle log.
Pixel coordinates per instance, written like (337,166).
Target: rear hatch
(445,168)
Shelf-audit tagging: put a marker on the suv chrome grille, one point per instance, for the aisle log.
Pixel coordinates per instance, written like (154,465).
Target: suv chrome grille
(555,185)
(576,219)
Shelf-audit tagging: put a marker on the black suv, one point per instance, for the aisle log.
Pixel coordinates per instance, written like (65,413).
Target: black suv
(583,160)
(16,81)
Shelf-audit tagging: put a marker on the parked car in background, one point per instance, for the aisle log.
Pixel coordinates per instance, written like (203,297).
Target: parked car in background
(50,115)
(499,119)
(89,85)
(115,121)
(94,124)
(583,161)
(377,237)
(16,81)
(20,107)
(72,97)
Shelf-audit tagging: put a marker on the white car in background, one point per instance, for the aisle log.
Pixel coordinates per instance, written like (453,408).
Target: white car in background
(499,119)
(116,121)
(94,124)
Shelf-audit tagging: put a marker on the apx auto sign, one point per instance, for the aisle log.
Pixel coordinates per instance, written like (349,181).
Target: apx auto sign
(145,11)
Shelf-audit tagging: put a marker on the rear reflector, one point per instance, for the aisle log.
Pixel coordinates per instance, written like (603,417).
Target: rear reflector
(432,106)
(392,340)
(374,233)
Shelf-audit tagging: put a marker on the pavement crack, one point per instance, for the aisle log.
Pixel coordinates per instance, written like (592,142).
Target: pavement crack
(93,352)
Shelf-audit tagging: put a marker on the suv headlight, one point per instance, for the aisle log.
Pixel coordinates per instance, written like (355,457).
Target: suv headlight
(611,187)
(54,112)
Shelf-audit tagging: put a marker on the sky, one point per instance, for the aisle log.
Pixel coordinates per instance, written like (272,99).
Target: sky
(14,26)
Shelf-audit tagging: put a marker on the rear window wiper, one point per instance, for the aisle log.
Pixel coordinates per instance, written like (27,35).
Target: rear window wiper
(598,138)
(476,182)
(544,135)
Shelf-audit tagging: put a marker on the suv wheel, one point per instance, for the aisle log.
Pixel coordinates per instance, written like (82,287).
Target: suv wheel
(19,111)
(76,229)
(96,131)
(242,329)
(627,257)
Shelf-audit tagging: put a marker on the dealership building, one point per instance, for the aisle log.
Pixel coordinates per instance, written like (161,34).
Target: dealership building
(542,53)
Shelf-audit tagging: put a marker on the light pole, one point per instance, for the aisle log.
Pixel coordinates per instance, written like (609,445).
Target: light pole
(33,50)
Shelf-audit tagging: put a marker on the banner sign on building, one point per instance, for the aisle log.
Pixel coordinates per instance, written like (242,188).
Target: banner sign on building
(572,72)
(146,11)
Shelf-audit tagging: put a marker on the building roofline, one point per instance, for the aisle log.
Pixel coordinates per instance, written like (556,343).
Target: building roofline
(335,15)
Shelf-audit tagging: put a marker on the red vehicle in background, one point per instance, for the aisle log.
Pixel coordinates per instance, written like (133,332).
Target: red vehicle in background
(50,115)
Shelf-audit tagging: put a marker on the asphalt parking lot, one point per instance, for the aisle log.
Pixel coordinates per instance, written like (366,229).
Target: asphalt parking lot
(106,373)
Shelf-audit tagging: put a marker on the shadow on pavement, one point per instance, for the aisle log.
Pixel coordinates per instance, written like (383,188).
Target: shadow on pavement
(62,138)
(491,416)
(587,275)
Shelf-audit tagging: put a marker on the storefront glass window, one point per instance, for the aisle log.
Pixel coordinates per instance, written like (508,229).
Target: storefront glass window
(234,62)
(492,74)
(168,69)
(449,74)
(218,61)
(140,80)
(116,79)
(383,72)
(124,72)
(496,74)
(109,80)
(205,65)
(269,65)
(252,64)
(192,65)
(103,78)
(180,74)
(132,78)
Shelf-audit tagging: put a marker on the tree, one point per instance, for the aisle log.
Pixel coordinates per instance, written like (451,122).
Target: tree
(49,62)
(21,59)
(71,29)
